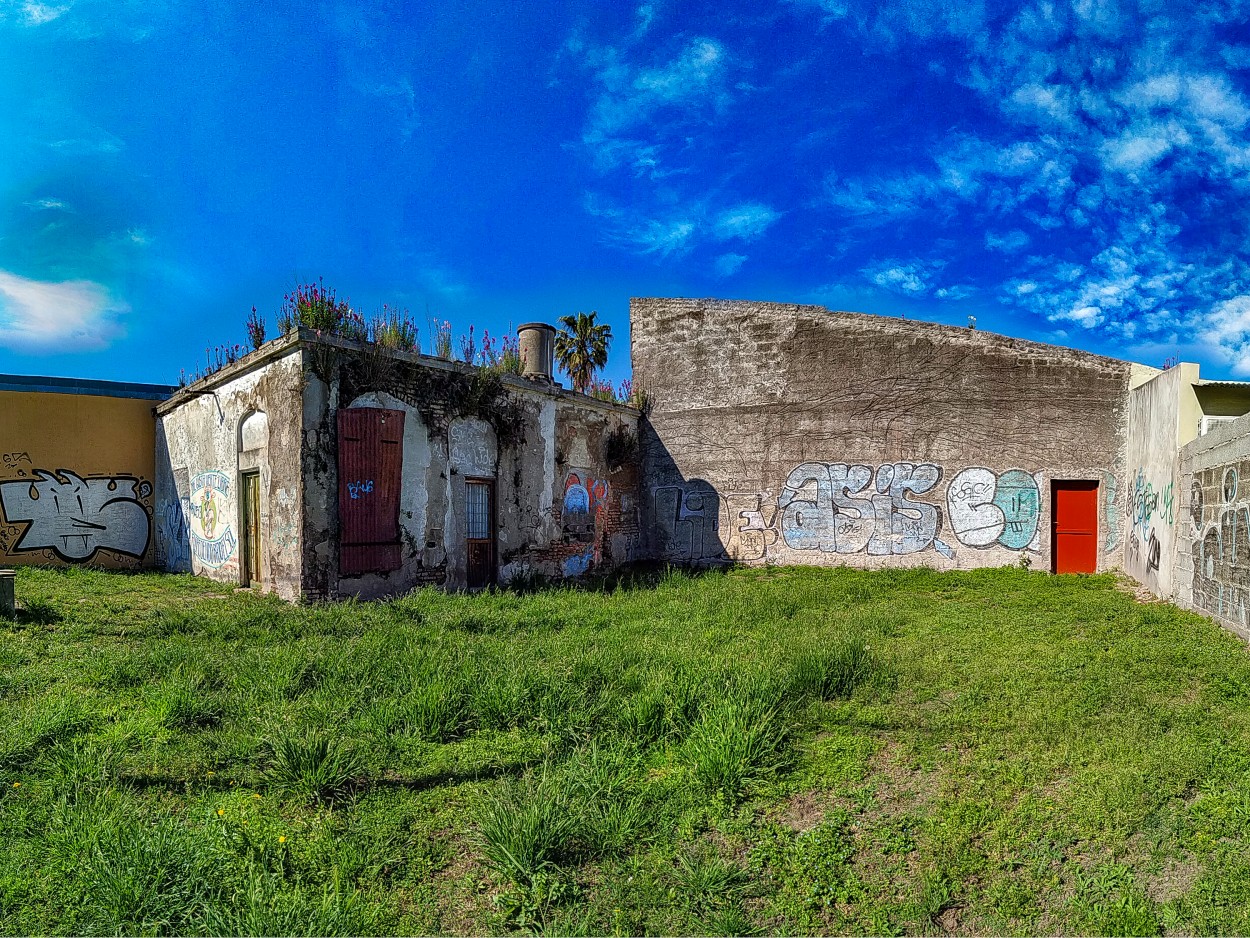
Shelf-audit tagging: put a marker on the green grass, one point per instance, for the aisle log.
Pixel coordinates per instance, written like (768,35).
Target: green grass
(757,751)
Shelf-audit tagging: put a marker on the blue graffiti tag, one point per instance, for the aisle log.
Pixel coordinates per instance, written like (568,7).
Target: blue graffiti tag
(356,489)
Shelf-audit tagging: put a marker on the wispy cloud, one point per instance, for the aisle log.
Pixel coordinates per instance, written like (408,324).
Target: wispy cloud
(47,204)
(41,316)
(640,107)
(726,265)
(745,222)
(1119,149)
(31,13)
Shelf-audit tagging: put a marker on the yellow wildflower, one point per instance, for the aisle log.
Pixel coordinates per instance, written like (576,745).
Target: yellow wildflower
(221,812)
(282,839)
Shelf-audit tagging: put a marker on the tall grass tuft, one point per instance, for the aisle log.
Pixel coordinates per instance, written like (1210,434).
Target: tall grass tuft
(262,907)
(835,670)
(313,767)
(524,830)
(734,743)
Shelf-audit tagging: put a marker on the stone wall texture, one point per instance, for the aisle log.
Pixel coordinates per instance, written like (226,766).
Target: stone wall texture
(1212,548)
(793,434)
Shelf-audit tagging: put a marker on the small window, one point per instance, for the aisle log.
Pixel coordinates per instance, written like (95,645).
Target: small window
(480,532)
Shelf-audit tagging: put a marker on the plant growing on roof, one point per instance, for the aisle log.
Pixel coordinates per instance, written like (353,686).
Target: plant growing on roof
(394,329)
(256,329)
(582,347)
(316,306)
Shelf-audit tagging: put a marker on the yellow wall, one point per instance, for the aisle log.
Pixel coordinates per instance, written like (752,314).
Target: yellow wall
(76,476)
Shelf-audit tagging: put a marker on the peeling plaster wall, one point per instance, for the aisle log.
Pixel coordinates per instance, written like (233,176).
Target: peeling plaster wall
(202,449)
(1159,424)
(555,452)
(792,434)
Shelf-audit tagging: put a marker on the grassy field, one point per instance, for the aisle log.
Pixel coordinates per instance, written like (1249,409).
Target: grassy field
(758,751)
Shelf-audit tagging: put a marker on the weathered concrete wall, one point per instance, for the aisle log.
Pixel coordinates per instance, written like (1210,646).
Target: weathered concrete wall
(794,434)
(76,478)
(1212,572)
(247,416)
(560,508)
(1161,420)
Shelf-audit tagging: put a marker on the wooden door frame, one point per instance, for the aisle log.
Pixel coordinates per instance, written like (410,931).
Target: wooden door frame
(251,546)
(492,571)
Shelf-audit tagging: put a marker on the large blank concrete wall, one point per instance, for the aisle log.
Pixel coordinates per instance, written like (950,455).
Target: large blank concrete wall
(1161,419)
(1213,526)
(794,434)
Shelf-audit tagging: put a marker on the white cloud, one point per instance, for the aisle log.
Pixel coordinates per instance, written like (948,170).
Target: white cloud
(747,221)
(910,279)
(728,264)
(32,13)
(47,204)
(1227,328)
(1009,242)
(71,316)
(629,115)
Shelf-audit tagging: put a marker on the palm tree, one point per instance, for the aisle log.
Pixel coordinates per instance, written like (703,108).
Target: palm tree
(582,347)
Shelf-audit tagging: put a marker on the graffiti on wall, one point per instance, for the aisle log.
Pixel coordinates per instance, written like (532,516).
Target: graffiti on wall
(210,512)
(1220,507)
(583,520)
(840,508)
(74,517)
(176,533)
(988,509)
(1146,507)
(686,522)
(836,508)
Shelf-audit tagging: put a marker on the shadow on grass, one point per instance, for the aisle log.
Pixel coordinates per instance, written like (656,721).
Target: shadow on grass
(143,781)
(640,575)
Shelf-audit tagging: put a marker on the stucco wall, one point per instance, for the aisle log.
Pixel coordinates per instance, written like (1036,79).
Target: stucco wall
(246,417)
(792,434)
(1160,421)
(1213,526)
(561,510)
(76,479)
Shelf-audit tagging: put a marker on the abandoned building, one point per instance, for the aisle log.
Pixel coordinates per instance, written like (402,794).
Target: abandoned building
(318,467)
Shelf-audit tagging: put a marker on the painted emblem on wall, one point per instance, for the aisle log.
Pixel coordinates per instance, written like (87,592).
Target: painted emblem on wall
(213,540)
(75,517)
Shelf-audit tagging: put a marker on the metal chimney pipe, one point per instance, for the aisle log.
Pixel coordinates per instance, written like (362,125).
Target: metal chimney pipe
(537,343)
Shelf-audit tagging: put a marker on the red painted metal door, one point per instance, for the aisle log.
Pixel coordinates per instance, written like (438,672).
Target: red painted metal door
(1075,525)
(371,452)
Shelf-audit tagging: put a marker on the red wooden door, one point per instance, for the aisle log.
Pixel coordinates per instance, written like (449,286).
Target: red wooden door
(1075,526)
(371,452)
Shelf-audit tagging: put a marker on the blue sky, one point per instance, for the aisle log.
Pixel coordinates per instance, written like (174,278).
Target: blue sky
(1072,172)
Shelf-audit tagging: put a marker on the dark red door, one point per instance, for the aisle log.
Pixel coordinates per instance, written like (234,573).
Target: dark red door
(371,452)
(1075,544)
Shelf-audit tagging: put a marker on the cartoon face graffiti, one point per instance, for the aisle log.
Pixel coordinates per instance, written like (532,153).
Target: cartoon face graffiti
(75,517)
